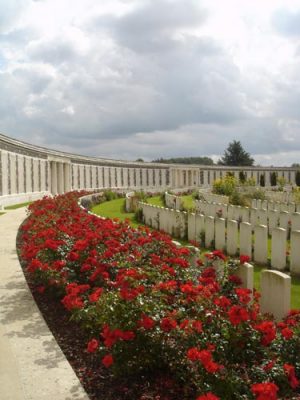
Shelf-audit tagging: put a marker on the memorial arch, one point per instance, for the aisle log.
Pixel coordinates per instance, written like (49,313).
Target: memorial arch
(29,172)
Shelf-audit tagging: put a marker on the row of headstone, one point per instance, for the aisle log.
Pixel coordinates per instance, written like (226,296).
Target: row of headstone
(213,198)
(173,201)
(229,235)
(275,205)
(255,216)
(173,222)
(284,197)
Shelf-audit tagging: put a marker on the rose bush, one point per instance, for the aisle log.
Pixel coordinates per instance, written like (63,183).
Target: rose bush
(144,305)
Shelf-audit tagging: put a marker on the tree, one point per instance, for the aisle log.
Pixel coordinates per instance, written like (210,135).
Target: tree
(236,155)
(273,178)
(298,178)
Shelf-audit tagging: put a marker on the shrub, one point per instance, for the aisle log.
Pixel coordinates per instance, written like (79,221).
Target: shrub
(225,186)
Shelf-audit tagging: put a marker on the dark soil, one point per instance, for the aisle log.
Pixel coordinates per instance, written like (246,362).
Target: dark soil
(96,379)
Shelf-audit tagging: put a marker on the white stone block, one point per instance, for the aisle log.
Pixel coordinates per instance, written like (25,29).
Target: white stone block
(246,239)
(278,251)
(200,226)
(295,253)
(191,226)
(220,230)
(275,293)
(261,244)
(295,221)
(209,231)
(245,273)
(232,237)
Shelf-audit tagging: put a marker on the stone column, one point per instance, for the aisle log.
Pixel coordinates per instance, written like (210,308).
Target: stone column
(60,177)
(28,175)
(13,174)
(20,173)
(54,186)
(67,177)
(35,175)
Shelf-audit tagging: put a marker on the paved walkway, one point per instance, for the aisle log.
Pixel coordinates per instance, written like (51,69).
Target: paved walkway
(32,366)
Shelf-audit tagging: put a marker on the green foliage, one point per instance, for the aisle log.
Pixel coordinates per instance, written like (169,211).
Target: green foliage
(262,180)
(242,176)
(236,155)
(185,160)
(298,178)
(225,186)
(258,194)
(250,182)
(273,178)
(281,182)
(238,199)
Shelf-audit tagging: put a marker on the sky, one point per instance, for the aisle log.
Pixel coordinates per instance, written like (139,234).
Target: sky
(128,79)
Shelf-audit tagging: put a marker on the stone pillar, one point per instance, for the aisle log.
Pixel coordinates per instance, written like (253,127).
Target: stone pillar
(278,254)
(275,293)
(13,174)
(220,234)
(35,175)
(209,231)
(60,177)
(261,244)
(106,177)
(112,172)
(232,237)
(205,178)
(295,253)
(43,175)
(28,175)
(246,239)
(267,178)
(20,173)
(144,178)
(54,186)
(94,177)
(67,177)
(76,176)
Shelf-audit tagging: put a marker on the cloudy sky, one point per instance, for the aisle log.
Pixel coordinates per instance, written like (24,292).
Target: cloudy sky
(152,78)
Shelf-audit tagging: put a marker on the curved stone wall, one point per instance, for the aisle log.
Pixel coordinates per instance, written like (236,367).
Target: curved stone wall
(28,172)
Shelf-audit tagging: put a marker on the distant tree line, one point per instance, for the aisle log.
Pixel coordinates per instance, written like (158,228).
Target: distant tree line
(186,160)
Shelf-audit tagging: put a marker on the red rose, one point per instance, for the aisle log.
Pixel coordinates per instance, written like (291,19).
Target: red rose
(92,345)
(107,360)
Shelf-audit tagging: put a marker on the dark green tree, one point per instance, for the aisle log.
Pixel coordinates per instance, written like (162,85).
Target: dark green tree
(273,178)
(236,155)
(242,176)
(262,180)
(297,178)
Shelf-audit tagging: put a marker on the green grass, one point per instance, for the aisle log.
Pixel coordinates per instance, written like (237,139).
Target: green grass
(155,201)
(15,206)
(188,202)
(114,209)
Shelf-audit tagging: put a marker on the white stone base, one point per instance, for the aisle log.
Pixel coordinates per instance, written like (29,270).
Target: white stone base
(11,199)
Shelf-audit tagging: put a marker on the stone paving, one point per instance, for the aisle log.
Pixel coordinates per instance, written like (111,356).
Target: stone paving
(32,366)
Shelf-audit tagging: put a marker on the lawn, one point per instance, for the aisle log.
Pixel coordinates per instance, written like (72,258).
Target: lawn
(15,206)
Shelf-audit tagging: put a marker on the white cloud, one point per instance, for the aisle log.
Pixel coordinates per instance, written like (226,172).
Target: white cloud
(129,79)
